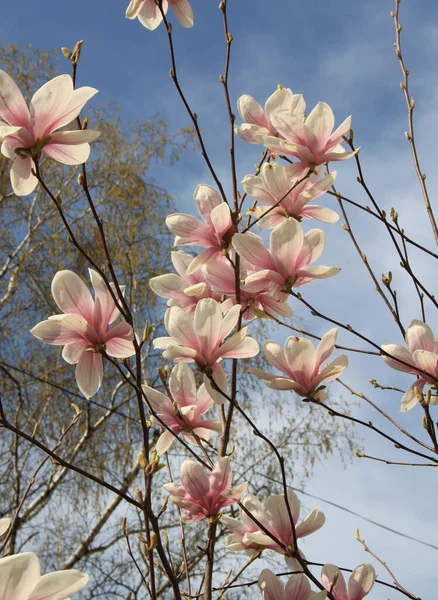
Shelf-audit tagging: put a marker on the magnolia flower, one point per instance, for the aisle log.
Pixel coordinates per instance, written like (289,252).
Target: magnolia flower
(223,279)
(181,289)
(259,121)
(183,415)
(301,364)
(420,355)
(296,588)
(312,141)
(4,525)
(214,234)
(200,339)
(150,16)
(276,183)
(203,495)
(286,265)
(84,328)
(359,584)
(274,516)
(29,131)
(21,579)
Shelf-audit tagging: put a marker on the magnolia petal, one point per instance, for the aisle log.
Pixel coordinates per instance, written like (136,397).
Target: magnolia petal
(221,219)
(410,399)
(22,179)
(59,585)
(89,373)
(419,336)
(325,215)
(165,441)
(4,526)
(49,103)
(286,243)
(180,327)
(326,345)
(18,574)
(276,357)
(195,480)
(248,133)
(405,360)
(321,121)
(328,575)
(181,354)
(133,9)
(314,521)
(281,383)
(221,382)
(332,371)
(150,15)
(221,476)
(190,231)
(78,99)
(67,153)
(276,506)
(206,199)
(312,248)
(298,587)
(208,324)
(13,108)
(252,248)
(183,385)
(5,132)
(183,12)
(73,351)
(341,131)
(427,361)
(251,111)
(245,348)
(72,295)
(62,329)
(270,586)
(119,347)
(202,258)
(361,581)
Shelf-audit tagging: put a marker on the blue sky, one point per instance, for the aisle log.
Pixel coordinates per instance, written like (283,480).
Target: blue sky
(340,52)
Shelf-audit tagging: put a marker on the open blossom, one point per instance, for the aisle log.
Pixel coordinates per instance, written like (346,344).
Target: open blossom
(21,579)
(181,289)
(84,329)
(223,279)
(4,525)
(313,141)
(276,183)
(214,233)
(259,121)
(296,588)
(420,355)
(302,365)
(274,516)
(150,15)
(182,413)
(201,339)
(287,262)
(203,495)
(359,584)
(28,131)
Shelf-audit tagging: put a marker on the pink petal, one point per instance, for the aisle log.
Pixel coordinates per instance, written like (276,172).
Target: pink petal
(325,346)
(419,336)
(328,575)
(298,588)
(313,247)
(119,347)
(165,441)
(49,103)
(22,180)
(109,310)
(72,295)
(221,380)
(325,215)
(286,244)
(59,585)
(77,101)
(62,329)
(399,352)
(300,356)
(89,373)
(19,574)
(293,129)
(180,327)
(342,130)
(251,247)
(70,147)
(311,523)
(251,111)
(208,323)
(410,399)
(361,581)
(182,385)
(150,15)
(183,12)
(195,480)
(13,108)
(321,122)
(221,219)
(190,231)
(248,133)
(221,476)
(203,257)
(270,586)
(206,199)
(276,357)
(72,351)
(133,9)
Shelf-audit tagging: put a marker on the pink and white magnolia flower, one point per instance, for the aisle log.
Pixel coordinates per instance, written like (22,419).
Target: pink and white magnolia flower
(214,233)
(203,495)
(84,329)
(201,339)
(420,355)
(296,588)
(259,121)
(274,184)
(4,525)
(312,142)
(359,584)
(21,579)
(286,265)
(181,289)
(274,516)
(26,132)
(302,365)
(222,279)
(184,413)
(150,16)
